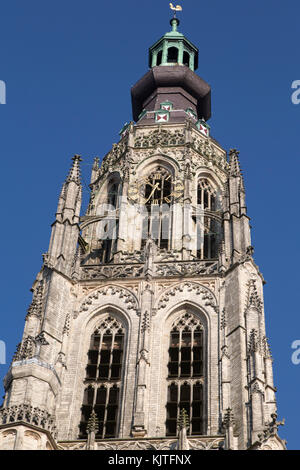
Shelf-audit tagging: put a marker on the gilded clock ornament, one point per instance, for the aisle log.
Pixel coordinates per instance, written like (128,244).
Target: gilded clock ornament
(157,188)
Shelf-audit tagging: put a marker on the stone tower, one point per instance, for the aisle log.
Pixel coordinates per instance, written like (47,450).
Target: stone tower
(146,328)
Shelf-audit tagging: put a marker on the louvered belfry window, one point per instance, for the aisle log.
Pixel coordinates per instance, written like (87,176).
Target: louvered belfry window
(103,378)
(208,224)
(186,374)
(158,196)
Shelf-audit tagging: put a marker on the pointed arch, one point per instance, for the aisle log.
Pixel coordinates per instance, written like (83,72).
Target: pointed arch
(125,298)
(159,158)
(200,300)
(181,292)
(102,234)
(157,176)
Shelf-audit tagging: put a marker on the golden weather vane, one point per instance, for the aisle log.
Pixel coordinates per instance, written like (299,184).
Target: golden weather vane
(175,8)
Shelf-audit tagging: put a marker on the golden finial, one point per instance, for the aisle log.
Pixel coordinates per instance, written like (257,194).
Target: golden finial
(175,8)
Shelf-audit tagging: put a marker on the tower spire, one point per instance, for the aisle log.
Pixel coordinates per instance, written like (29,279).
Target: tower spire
(74,173)
(234,163)
(63,242)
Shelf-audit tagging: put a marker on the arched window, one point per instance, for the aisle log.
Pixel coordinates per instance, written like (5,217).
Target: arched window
(209,229)
(113,195)
(186,374)
(186,59)
(103,378)
(206,195)
(172,55)
(109,239)
(159,58)
(158,196)
(110,226)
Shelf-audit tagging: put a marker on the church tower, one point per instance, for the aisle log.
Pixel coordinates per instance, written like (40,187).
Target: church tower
(146,329)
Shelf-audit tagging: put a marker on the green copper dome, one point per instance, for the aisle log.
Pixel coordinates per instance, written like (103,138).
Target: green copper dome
(173,49)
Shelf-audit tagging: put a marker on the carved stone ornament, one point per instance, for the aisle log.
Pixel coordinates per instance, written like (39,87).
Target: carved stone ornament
(111,159)
(36,306)
(168,269)
(271,428)
(110,325)
(129,299)
(198,289)
(187,320)
(223,320)
(253,299)
(145,324)
(114,272)
(27,348)
(204,443)
(187,268)
(228,419)
(28,414)
(159,137)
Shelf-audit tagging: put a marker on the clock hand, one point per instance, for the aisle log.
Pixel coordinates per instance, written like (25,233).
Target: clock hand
(150,184)
(152,192)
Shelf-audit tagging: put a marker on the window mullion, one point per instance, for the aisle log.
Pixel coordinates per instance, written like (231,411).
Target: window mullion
(105,410)
(95,396)
(160,216)
(202,232)
(191,408)
(178,402)
(111,354)
(170,226)
(209,239)
(150,220)
(99,354)
(192,353)
(162,191)
(179,353)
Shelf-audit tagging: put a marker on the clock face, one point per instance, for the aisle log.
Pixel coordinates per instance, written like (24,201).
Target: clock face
(156,189)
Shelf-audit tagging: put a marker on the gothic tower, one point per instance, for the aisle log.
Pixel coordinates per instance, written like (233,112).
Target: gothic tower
(146,328)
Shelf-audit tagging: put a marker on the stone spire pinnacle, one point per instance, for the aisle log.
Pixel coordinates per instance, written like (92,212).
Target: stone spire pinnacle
(74,173)
(183,426)
(95,169)
(235,167)
(234,163)
(92,429)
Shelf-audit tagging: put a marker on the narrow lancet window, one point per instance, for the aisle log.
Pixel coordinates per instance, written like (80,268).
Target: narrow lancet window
(209,232)
(113,196)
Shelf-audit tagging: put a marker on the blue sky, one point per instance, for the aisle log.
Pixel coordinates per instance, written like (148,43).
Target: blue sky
(68,67)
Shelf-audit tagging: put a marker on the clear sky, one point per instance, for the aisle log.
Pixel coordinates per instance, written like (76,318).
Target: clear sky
(68,68)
